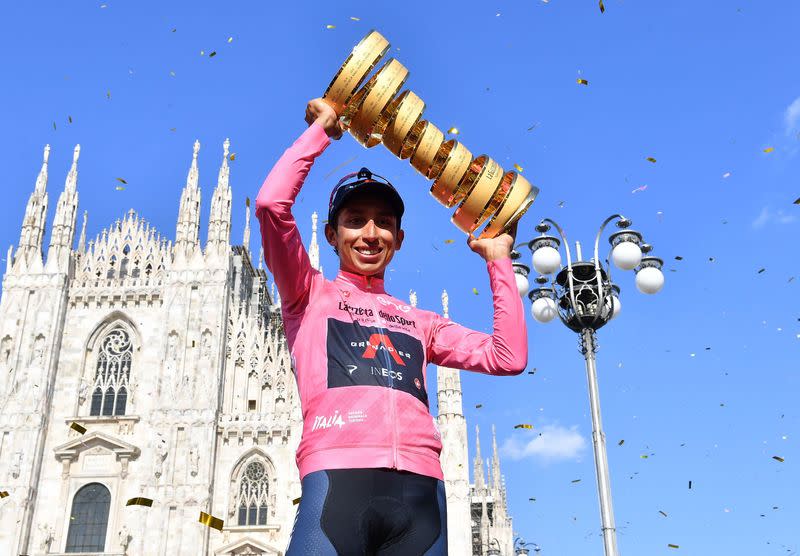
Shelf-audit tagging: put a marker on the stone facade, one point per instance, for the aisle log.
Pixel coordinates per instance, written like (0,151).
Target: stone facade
(171,356)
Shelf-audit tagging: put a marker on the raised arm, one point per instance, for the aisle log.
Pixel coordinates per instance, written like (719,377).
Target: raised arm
(284,252)
(505,351)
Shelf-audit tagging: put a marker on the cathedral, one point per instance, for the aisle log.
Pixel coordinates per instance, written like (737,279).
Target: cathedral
(134,366)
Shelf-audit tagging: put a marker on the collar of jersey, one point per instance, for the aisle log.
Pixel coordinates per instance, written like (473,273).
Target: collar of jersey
(369,284)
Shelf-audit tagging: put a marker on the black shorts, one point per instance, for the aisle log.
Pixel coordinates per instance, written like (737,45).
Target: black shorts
(366,512)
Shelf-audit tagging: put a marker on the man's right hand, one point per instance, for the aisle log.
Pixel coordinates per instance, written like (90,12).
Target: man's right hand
(319,111)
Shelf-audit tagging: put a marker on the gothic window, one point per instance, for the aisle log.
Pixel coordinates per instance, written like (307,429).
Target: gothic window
(89,519)
(253,492)
(112,378)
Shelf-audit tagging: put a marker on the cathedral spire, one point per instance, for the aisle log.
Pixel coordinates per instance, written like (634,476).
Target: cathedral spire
(64,220)
(187,230)
(412,298)
(246,235)
(82,239)
(479,479)
(496,480)
(29,250)
(219,224)
(313,248)
(445,304)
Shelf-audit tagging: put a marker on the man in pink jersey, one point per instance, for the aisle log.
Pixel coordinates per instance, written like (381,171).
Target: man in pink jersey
(369,454)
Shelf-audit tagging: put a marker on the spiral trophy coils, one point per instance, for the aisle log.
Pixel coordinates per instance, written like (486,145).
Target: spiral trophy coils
(378,112)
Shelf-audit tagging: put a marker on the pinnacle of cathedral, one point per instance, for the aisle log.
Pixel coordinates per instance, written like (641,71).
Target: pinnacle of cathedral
(313,247)
(246,235)
(188,227)
(479,478)
(219,222)
(496,479)
(29,250)
(412,298)
(82,238)
(445,304)
(63,231)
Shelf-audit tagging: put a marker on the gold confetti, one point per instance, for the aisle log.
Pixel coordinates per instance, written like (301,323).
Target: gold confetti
(232,156)
(212,54)
(644,456)
(576,480)
(621,442)
(4,494)
(247,202)
(140,501)
(478,405)
(122,181)
(330,27)
(202,53)
(453,131)
(690,485)
(797,201)
(523,426)
(76,427)
(69,118)
(602,7)
(54,126)
(662,513)
(726,175)
(172,129)
(230,40)
(582,81)
(211,521)
(296,501)
(518,168)
(449,241)
(761,271)
(778,458)
(475,291)
(673,546)
(355,18)
(651,159)
(769,149)
(120,188)
(172,73)
(108,95)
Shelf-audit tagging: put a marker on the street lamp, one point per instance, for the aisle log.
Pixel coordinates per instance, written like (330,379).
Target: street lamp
(521,547)
(584,298)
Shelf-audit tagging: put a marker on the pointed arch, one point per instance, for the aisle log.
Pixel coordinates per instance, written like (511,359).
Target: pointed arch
(251,499)
(89,521)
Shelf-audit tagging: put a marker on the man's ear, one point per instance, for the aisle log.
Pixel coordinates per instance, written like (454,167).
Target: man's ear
(399,239)
(330,235)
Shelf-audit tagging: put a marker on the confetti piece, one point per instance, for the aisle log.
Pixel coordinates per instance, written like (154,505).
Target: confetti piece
(761,271)
(533,126)
(651,159)
(108,95)
(561,204)
(640,188)
(576,480)
(582,81)
(232,156)
(523,426)
(172,73)
(211,521)
(76,427)
(330,27)
(202,53)
(212,54)
(475,291)
(769,149)
(678,258)
(602,7)
(478,405)
(296,501)
(449,241)
(644,456)
(662,513)
(726,175)
(621,442)
(247,202)
(173,30)
(531,499)
(690,485)
(140,501)
(120,188)
(54,126)
(797,201)
(230,40)
(518,168)
(4,494)
(122,181)
(778,458)
(355,18)
(69,118)
(453,131)
(673,546)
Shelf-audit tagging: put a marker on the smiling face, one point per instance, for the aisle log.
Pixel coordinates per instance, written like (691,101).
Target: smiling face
(365,234)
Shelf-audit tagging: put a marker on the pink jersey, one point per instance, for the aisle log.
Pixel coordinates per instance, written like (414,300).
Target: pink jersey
(359,354)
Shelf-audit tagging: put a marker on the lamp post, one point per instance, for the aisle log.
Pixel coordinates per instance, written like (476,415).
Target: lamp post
(521,547)
(585,299)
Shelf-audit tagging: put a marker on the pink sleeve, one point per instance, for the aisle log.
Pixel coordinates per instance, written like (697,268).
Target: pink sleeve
(505,351)
(284,252)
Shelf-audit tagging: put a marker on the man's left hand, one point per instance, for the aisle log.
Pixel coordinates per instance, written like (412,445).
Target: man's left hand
(492,249)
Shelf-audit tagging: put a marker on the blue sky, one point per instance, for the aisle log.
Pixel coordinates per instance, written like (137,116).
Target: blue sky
(702,378)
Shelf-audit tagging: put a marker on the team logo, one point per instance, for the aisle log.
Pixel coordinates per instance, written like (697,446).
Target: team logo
(377,341)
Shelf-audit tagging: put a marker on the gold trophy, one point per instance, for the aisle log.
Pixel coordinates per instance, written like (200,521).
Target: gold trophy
(379,112)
